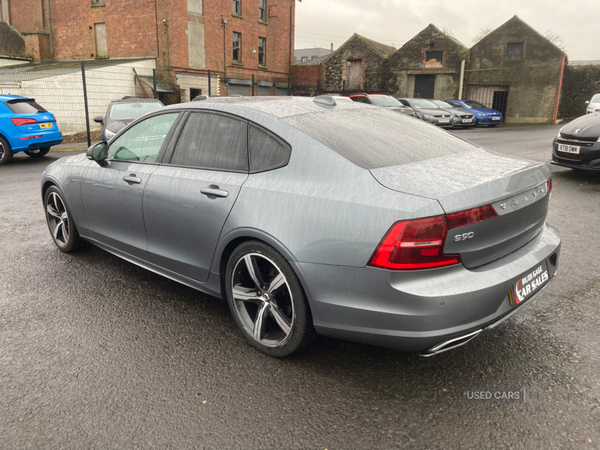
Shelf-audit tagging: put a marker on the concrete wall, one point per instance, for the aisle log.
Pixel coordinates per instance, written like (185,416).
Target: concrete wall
(5,61)
(580,83)
(11,42)
(62,94)
(533,81)
(402,67)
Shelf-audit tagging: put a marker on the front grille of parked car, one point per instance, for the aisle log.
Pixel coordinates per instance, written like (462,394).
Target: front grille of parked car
(572,156)
(576,143)
(467,116)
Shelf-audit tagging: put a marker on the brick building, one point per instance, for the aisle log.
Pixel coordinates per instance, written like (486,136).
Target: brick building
(188,38)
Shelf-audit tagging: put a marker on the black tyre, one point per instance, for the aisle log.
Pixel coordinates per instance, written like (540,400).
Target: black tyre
(6,152)
(60,222)
(267,301)
(38,152)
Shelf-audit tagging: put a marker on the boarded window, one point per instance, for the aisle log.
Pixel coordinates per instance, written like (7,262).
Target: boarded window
(434,59)
(237,43)
(213,141)
(101,46)
(237,7)
(514,51)
(262,51)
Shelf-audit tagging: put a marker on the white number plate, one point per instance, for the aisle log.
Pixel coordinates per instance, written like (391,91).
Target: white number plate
(495,118)
(568,148)
(444,120)
(467,120)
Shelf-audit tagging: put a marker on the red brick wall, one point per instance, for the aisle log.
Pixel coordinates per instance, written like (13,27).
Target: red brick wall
(305,75)
(130,28)
(277,32)
(27,16)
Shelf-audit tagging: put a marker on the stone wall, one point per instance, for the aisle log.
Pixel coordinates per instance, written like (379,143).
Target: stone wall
(580,83)
(11,43)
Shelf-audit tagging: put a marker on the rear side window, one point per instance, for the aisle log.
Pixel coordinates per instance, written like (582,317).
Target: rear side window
(24,107)
(213,141)
(373,137)
(267,152)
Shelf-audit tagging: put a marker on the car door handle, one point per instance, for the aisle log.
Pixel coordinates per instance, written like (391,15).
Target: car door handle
(132,179)
(214,191)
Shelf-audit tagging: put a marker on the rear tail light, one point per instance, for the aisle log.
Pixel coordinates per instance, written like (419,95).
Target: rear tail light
(419,244)
(19,122)
(54,119)
(413,245)
(549,185)
(30,137)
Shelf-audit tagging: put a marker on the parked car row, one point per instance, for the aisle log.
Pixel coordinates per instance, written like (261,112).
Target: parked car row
(445,114)
(577,145)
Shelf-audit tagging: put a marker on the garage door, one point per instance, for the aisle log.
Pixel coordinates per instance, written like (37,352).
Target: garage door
(281,91)
(238,89)
(263,91)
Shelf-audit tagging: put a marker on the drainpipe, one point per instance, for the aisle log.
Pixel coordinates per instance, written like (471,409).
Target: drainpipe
(462,79)
(562,71)
(50,29)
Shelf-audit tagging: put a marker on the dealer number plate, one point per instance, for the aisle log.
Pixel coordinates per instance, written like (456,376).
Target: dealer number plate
(444,120)
(496,118)
(530,283)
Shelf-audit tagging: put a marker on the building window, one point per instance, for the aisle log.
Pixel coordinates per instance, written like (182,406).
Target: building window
(101,45)
(237,7)
(237,44)
(262,51)
(514,52)
(262,10)
(97,2)
(434,59)
(304,58)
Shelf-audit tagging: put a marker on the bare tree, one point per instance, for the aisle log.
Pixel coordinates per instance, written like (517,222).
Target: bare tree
(483,32)
(448,32)
(556,39)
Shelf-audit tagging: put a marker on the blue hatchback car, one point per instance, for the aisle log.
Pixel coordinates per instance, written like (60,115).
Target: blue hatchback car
(26,127)
(483,114)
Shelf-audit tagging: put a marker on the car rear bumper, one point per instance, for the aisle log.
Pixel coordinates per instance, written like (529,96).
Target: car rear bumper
(417,311)
(47,139)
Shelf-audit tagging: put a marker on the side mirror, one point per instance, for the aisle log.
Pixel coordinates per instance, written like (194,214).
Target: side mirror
(98,153)
(587,102)
(99,119)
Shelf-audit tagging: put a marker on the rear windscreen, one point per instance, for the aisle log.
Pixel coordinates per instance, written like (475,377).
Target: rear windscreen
(373,138)
(24,107)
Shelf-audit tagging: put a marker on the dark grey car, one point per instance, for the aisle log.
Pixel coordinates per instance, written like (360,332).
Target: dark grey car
(316,215)
(577,145)
(429,112)
(121,113)
(461,117)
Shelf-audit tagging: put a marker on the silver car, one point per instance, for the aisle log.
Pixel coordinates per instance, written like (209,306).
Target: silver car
(316,215)
(593,105)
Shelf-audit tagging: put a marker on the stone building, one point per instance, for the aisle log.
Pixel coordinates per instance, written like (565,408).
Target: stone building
(355,66)
(518,71)
(427,66)
(187,38)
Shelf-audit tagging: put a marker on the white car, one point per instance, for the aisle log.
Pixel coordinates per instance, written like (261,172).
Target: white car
(593,105)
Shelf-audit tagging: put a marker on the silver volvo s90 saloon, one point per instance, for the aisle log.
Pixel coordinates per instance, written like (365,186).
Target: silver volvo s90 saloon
(316,216)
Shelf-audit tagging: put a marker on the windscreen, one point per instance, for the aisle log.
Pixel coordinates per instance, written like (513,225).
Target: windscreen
(473,104)
(375,138)
(24,107)
(131,111)
(443,104)
(596,99)
(419,103)
(384,101)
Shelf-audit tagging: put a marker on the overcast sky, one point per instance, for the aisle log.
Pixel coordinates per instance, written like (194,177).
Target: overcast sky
(393,22)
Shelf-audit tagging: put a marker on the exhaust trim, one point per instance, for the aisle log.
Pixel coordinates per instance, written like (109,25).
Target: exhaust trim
(450,344)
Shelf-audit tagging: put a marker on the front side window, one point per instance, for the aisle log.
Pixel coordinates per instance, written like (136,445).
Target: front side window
(213,141)
(262,51)
(143,141)
(237,7)
(262,10)
(237,43)
(514,51)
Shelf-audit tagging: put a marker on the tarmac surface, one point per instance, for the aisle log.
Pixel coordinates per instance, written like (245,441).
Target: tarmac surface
(98,353)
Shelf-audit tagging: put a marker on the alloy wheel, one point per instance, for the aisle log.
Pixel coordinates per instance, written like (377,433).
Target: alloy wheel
(58,219)
(263,299)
